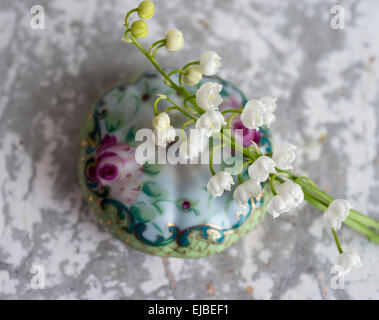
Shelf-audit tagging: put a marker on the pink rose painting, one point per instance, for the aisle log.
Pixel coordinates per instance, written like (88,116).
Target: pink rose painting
(117,168)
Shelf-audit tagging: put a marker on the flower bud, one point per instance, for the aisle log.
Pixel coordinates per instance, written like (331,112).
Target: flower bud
(220,182)
(210,63)
(174,40)
(139,29)
(193,76)
(349,260)
(246,191)
(145,10)
(161,122)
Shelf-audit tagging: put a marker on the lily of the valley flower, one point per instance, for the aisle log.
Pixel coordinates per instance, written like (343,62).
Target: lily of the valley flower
(269,103)
(210,122)
(257,113)
(245,191)
(208,96)
(337,212)
(161,121)
(261,168)
(163,131)
(293,189)
(284,155)
(210,63)
(219,182)
(193,76)
(174,40)
(278,205)
(192,146)
(349,260)
(290,195)
(162,137)
(252,114)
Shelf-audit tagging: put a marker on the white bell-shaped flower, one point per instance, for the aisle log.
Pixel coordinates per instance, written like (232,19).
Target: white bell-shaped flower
(268,118)
(210,122)
(277,205)
(161,121)
(257,113)
(210,63)
(289,196)
(284,155)
(293,189)
(219,182)
(349,260)
(163,137)
(245,191)
(269,103)
(192,146)
(252,116)
(208,96)
(337,212)
(261,168)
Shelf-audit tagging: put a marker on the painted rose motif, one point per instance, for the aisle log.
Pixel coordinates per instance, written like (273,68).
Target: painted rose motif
(248,135)
(116,167)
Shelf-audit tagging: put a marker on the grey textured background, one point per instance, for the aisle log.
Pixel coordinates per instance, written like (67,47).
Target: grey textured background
(326,82)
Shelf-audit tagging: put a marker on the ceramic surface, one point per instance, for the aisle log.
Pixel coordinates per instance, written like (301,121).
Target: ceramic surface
(160,209)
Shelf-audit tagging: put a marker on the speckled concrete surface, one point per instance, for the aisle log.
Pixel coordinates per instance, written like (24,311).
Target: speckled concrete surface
(327,84)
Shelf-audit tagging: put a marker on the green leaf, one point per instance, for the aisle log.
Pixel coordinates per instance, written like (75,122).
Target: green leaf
(152,169)
(154,190)
(142,212)
(130,137)
(113,120)
(158,206)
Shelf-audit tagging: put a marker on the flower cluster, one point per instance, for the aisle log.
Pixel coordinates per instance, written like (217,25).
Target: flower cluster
(290,195)
(273,169)
(258,113)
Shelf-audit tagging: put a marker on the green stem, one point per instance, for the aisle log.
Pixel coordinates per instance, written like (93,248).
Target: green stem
(211,158)
(156,43)
(191,98)
(185,124)
(175,71)
(156,49)
(312,193)
(156,104)
(232,110)
(127,17)
(230,120)
(191,64)
(272,178)
(364,219)
(337,241)
(370,234)
(181,110)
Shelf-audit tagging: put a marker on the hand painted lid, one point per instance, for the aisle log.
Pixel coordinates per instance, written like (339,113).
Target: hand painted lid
(160,209)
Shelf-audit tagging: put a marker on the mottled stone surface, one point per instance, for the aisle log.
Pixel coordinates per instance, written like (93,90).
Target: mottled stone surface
(326,81)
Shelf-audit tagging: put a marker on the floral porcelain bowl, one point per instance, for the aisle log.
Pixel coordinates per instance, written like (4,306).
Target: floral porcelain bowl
(163,210)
